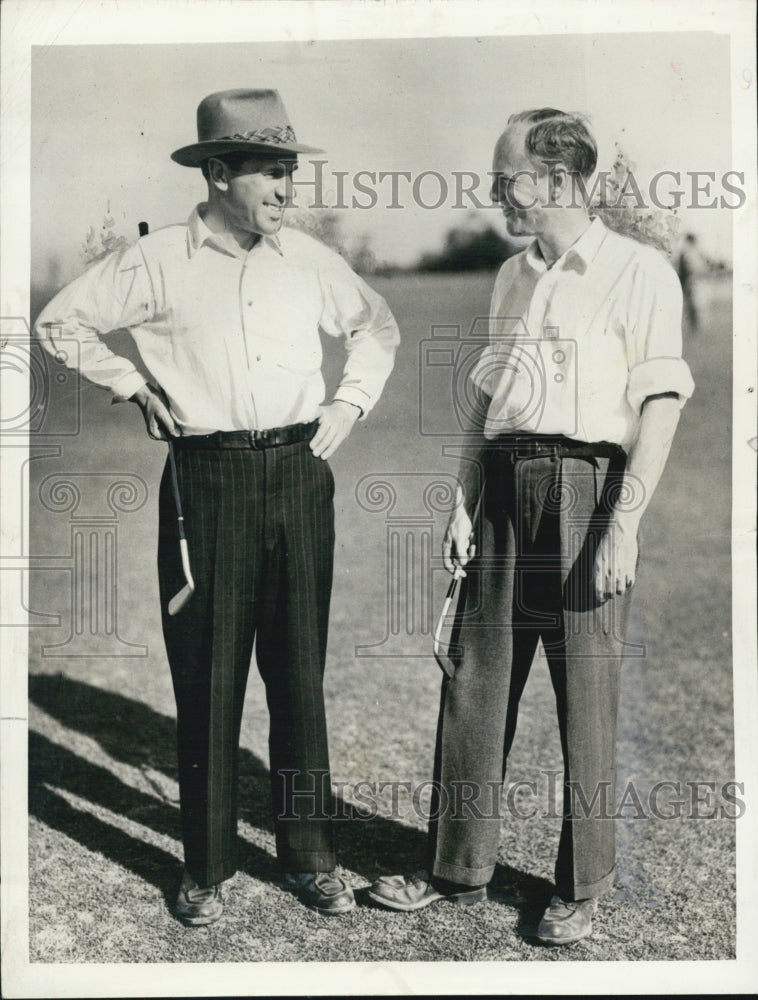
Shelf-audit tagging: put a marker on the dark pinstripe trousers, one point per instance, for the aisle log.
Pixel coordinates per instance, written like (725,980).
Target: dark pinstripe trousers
(260,531)
(532,580)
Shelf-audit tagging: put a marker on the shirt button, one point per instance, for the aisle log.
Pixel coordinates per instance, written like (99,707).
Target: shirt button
(257,357)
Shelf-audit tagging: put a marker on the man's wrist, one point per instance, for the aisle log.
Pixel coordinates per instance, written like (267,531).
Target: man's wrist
(627,521)
(462,506)
(142,394)
(349,407)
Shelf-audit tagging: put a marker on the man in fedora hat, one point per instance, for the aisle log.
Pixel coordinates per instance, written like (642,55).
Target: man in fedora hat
(226,311)
(576,400)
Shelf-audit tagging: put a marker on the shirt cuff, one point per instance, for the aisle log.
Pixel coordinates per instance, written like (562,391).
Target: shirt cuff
(487,370)
(658,375)
(349,394)
(126,387)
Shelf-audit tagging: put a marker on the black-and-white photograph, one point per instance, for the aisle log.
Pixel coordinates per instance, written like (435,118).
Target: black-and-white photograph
(378,448)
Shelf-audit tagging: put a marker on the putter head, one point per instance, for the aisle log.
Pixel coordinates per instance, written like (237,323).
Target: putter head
(444,656)
(445,662)
(178,601)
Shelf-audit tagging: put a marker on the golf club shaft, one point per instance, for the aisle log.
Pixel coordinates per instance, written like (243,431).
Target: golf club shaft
(175,488)
(178,601)
(451,593)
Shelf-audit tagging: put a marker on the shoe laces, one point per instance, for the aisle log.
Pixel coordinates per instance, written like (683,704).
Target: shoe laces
(328,881)
(198,894)
(422,876)
(571,905)
(324,881)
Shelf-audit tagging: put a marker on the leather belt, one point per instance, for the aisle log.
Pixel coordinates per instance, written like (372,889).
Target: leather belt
(520,446)
(274,437)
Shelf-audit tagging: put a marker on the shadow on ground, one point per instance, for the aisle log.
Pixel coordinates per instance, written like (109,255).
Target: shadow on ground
(132,733)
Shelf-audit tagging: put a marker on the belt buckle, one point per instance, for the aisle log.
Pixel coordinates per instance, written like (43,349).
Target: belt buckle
(523,448)
(529,448)
(255,438)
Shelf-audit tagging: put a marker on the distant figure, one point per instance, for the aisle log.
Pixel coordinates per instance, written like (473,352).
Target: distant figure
(690,267)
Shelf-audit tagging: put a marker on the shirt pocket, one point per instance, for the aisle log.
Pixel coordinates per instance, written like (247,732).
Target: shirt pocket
(284,316)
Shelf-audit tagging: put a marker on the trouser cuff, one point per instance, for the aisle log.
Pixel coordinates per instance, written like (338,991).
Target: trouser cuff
(463,875)
(587,890)
(206,876)
(312,861)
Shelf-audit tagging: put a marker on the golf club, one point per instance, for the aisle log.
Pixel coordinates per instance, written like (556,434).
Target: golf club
(178,601)
(444,658)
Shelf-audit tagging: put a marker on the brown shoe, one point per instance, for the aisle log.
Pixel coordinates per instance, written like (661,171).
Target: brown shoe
(325,892)
(566,922)
(195,906)
(412,892)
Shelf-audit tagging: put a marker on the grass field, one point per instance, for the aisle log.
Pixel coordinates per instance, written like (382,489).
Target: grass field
(105,853)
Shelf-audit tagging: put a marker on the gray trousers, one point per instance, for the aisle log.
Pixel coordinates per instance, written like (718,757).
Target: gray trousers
(532,579)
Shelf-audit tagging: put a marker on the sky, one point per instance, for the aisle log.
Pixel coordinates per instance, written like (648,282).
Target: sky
(105,119)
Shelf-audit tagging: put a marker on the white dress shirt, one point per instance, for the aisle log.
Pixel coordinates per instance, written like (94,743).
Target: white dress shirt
(231,336)
(575,349)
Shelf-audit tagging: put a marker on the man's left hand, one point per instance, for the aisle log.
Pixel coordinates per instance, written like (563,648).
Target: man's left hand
(616,560)
(335,423)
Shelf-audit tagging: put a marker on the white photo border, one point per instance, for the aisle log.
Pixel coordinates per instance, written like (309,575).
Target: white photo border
(102,22)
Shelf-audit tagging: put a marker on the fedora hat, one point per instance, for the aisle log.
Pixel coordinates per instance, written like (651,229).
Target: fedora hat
(241,121)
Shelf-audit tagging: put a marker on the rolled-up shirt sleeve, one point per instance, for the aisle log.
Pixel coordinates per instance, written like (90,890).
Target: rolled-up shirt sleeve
(654,342)
(114,293)
(353,310)
(488,369)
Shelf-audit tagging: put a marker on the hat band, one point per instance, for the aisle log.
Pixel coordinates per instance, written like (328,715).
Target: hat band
(273,135)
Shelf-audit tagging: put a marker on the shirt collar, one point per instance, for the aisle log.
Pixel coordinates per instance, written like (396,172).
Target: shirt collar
(198,234)
(579,255)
